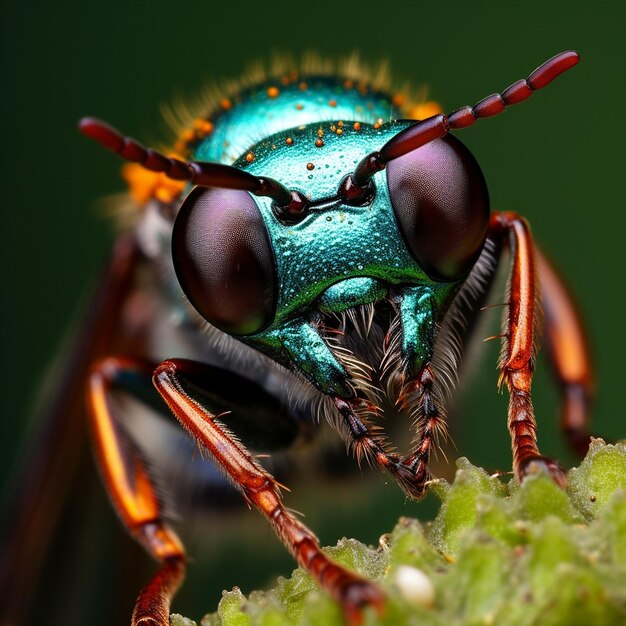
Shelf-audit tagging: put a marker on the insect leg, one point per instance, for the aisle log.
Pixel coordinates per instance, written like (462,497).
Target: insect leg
(260,489)
(412,470)
(31,512)
(569,354)
(364,439)
(131,489)
(518,349)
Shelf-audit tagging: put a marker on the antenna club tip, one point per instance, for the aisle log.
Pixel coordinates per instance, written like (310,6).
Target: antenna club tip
(552,68)
(88,125)
(101,132)
(569,58)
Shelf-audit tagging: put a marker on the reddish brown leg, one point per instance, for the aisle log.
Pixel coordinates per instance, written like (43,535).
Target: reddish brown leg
(518,350)
(570,355)
(132,492)
(259,488)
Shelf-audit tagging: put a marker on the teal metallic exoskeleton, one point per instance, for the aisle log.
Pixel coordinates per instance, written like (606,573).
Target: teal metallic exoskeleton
(340,245)
(340,256)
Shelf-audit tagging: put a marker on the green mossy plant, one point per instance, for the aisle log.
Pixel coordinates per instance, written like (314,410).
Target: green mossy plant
(496,553)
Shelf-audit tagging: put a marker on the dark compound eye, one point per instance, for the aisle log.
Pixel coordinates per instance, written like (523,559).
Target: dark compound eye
(223,259)
(440,200)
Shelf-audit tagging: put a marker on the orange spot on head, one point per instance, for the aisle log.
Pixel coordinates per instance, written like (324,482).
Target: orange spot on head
(348,84)
(399,100)
(299,107)
(339,131)
(187,135)
(339,123)
(424,110)
(273,92)
(332,103)
(203,127)
(250,157)
(357,126)
(310,166)
(284,80)
(303,86)
(319,143)
(379,123)
(226,104)
(289,141)
(320,132)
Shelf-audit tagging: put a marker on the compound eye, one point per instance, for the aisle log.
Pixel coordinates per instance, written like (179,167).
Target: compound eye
(223,259)
(440,199)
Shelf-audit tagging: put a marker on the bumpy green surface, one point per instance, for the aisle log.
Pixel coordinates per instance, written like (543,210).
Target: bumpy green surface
(496,554)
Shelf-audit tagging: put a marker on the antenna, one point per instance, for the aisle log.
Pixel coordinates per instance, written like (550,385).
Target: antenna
(438,126)
(196,172)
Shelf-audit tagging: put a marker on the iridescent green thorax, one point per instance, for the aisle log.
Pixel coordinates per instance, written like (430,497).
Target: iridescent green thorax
(271,107)
(339,256)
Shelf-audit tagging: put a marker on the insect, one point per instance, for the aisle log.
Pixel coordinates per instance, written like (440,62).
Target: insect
(316,253)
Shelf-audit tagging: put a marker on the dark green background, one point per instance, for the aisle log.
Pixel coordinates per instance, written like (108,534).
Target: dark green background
(558,159)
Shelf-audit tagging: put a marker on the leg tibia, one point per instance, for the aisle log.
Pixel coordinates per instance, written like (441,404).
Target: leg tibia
(517,359)
(128,481)
(260,489)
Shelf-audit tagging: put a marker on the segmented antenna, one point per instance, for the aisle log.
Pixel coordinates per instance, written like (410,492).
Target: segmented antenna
(439,125)
(356,189)
(196,172)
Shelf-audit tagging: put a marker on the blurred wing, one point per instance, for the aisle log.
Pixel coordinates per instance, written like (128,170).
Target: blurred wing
(52,456)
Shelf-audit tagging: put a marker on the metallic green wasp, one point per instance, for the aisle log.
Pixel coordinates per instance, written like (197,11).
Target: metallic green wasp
(312,252)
